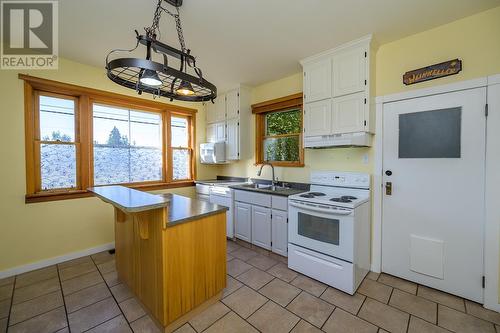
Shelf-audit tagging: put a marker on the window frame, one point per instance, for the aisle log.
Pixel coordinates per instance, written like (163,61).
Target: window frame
(283,104)
(84,100)
(190,147)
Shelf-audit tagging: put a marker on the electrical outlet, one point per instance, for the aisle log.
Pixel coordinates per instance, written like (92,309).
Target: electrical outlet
(366,160)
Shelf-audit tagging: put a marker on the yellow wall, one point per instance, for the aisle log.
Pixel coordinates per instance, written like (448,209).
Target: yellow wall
(34,232)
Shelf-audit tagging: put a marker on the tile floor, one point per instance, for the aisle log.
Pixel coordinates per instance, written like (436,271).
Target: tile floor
(262,295)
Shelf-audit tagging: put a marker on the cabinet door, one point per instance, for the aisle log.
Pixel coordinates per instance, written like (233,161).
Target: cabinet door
(232,104)
(210,112)
(348,113)
(261,227)
(220,131)
(318,80)
(349,72)
(243,221)
(279,232)
(232,139)
(318,118)
(220,108)
(211,133)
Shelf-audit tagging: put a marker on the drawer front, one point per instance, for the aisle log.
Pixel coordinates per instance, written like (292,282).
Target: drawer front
(253,198)
(279,202)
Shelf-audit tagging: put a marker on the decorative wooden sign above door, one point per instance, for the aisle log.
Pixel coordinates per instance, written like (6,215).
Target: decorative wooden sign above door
(432,72)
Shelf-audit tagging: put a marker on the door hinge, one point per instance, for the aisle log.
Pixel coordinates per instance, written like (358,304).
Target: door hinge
(366,54)
(271,243)
(365,122)
(486,110)
(483,282)
(365,100)
(304,73)
(365,82)
(238,94)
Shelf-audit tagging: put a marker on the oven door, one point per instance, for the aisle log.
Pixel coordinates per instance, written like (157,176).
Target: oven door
(321,228)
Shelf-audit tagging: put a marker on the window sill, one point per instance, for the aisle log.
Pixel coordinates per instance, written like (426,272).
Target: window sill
(283,164)
(77,194)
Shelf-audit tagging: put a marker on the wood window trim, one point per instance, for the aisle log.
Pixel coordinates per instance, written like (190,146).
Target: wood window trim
(85,97)
(279,104)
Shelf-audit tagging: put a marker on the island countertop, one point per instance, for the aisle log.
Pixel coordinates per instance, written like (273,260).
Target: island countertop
(180,209)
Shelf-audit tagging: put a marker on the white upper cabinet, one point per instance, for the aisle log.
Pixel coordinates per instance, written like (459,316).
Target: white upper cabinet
(318,118)
(216,132)
(348,113)
(220,108)
(233,139)
(318,80)
(232,104)
(210,112)
(349,71)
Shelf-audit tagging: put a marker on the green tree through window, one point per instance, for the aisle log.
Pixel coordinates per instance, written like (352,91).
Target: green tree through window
(282,136)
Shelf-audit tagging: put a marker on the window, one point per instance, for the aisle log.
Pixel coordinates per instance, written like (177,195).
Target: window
(279,131)
(80,137)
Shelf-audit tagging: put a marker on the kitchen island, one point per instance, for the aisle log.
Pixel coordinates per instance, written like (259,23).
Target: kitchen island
(170,251)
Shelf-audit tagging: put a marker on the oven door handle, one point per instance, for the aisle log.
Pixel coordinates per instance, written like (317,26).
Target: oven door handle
(316,208)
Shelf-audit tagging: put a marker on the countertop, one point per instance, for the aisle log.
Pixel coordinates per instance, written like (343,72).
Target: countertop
(291,188)
(180,209)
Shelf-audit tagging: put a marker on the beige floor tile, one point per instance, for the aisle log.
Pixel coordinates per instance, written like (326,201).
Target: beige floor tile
(398,283)
(86,297)
(261,251)
(6,281)
(93,315)
(244,253)
(389,318)
(45,323)
(6,291)
(304,327)
(63,330)
(282,272)
(310,308)
(36,290)
(74,262)
(497,327)
(32,308)
(460,322)
(102,257)
(231,323)
(121,292)
(414,305)
(440,297)
(186,328)
(280,292)
(478,310)
(279,258)
(111,278)
(272,318)
(418,325)
(262,262)
(3,325)
(28,278)
(243,244)
(115,325)
(81,282)
(372,276)
(107,267)
(213,313)
(236,267)
(244,301)
(312,286)
(255,278)
(4,308)
(232,246)
(231,286)
(375,290)
(144,325)
(343,322)
(350,303)
(76,270)
(132,309)
(229,257)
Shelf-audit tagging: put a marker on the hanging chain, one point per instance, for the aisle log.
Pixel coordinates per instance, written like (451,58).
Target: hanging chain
(154,28)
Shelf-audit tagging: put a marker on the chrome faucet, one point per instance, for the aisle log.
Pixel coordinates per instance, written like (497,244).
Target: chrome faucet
(273,181)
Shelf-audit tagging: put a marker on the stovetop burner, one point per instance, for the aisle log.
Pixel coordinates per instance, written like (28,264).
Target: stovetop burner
(344,198)
(312,194)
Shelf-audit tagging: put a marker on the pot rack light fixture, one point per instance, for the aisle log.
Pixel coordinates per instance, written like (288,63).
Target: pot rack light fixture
(158,78)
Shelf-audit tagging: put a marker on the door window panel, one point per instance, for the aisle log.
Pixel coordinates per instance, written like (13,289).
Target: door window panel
(319,228)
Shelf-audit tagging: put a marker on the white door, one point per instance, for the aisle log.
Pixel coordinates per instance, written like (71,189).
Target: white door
(318,80)
(318,118)
(232,104)
(232,136)
(433,202)
(261,227)
(211,133)
(279,232)
(348,113)
(210,110)
(243,221)
(349,72)
(220,108)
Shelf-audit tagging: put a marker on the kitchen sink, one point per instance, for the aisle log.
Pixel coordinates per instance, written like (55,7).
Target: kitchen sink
(265,187)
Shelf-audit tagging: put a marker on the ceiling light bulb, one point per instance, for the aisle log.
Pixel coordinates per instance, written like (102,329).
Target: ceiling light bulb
(185,88)
(151,78)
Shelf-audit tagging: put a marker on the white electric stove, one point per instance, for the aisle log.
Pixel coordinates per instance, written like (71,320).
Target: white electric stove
(329,229)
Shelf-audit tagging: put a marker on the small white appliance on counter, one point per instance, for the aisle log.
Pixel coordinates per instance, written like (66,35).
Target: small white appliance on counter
(213,152)
(329,229)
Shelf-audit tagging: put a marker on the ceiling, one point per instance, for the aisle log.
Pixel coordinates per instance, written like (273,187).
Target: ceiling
(251,42)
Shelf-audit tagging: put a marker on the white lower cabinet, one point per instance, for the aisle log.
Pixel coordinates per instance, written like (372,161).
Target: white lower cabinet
(243,221)
(279,232)
(261,227)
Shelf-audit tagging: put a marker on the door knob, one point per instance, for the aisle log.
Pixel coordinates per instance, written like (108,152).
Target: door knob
(388,173)
(388,188)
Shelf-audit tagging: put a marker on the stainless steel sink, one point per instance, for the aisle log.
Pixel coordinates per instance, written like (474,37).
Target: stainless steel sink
(265,187)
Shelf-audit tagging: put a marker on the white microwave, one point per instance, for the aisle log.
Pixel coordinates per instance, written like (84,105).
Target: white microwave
(213,152)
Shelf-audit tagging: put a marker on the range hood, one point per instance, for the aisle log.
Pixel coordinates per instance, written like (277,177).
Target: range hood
(359,139)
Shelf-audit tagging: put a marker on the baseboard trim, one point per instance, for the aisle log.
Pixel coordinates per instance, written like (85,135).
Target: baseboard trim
(56,260)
